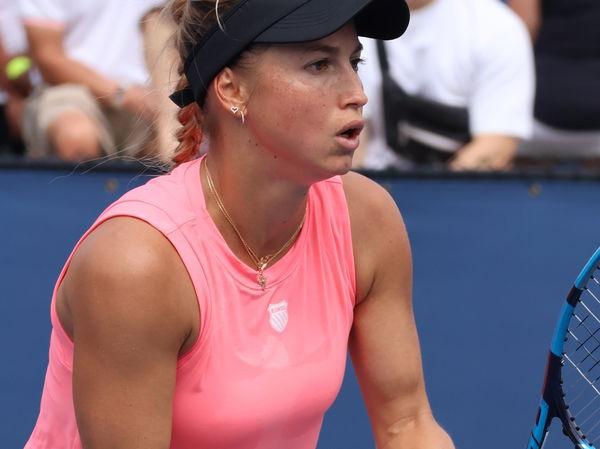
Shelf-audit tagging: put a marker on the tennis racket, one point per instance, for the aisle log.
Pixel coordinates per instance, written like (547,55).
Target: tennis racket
(571,389)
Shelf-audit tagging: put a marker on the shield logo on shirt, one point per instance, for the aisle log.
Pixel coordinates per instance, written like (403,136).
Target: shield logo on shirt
(278,316)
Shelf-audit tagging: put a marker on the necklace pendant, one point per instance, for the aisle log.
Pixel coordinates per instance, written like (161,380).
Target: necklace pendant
(262,263)
(262,280)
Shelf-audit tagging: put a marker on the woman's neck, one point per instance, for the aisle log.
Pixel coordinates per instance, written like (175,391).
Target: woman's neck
(265,208)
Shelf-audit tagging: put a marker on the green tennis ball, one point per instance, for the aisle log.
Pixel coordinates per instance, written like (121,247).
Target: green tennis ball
(17,67)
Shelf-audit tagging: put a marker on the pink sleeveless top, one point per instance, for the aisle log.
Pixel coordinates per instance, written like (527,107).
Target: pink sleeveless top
(267,364)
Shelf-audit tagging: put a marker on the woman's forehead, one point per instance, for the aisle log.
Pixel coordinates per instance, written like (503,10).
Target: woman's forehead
(342,41)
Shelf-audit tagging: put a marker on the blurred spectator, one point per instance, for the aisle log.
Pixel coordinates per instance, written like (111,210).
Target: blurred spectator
(15,72)
(162,60)
(567,58)
(459,91)
(95,99)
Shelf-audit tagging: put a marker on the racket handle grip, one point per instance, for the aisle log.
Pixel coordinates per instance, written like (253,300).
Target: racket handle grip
(540,430)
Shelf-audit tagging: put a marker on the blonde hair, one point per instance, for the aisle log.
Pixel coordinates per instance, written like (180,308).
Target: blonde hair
(193,19)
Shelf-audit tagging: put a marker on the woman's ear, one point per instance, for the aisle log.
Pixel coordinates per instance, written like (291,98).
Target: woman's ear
(230,90)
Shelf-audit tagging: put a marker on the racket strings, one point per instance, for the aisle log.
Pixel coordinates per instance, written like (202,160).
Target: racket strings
(579,381)
(581,362)
(582,344)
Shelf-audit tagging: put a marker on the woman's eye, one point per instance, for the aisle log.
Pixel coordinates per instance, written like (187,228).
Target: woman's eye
(356,62)
(320,65)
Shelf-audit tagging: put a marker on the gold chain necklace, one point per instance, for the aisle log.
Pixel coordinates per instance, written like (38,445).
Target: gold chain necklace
(260,262)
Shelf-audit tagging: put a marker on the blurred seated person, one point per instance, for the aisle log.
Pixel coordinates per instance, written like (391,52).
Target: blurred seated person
(95,100)
(566,35)
(15,77)
(162,60)
(456,91)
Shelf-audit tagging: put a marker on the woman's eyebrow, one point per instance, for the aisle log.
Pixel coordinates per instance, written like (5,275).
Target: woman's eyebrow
(329,49)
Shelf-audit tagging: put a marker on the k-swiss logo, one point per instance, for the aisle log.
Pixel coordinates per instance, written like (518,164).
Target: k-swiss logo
(278,316)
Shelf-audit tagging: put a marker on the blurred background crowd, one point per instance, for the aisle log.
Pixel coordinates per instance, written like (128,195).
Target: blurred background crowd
(480,85)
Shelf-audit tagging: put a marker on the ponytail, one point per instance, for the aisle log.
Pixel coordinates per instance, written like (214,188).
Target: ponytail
(189,135)
(192,18)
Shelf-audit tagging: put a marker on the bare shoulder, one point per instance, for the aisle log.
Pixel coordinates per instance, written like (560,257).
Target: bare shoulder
(126,273)
(371,209)
(378,232)
(122,243)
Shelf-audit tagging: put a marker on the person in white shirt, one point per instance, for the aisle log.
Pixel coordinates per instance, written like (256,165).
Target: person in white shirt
(471,54)
(95,100)
(566,37)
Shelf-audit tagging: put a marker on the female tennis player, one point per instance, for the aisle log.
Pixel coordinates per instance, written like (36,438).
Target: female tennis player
(213,307)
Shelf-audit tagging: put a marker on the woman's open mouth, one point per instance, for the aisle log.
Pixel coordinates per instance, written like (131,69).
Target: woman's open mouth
(348,137)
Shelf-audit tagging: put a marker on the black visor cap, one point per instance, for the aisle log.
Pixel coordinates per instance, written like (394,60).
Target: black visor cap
(316,19)
(284,21)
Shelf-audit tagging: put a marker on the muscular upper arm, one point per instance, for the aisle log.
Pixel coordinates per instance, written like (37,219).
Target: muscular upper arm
(127,303)
(383,343)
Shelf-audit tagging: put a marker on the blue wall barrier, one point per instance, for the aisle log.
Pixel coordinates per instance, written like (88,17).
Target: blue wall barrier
(493,259)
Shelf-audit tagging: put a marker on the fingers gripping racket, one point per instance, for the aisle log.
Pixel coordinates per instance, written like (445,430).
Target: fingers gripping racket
(571,389)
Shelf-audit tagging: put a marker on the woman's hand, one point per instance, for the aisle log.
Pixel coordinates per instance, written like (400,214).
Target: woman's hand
(485,153)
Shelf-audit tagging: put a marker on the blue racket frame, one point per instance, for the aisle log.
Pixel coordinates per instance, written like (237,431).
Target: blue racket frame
(552,404)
